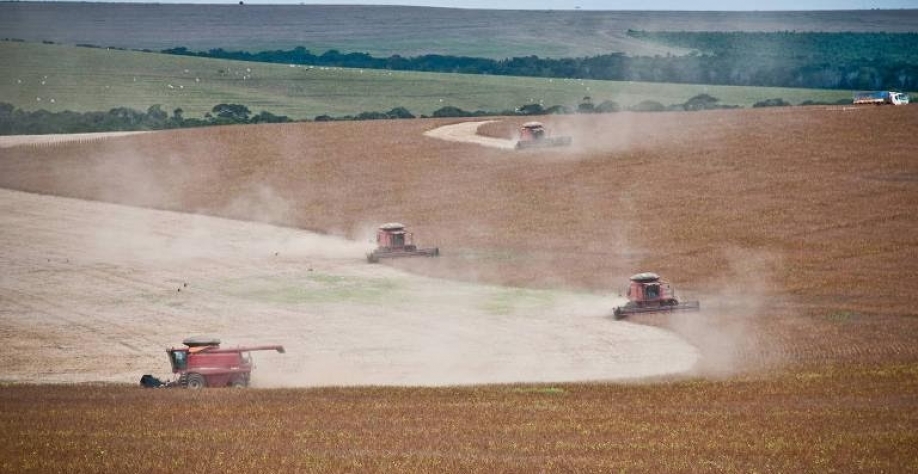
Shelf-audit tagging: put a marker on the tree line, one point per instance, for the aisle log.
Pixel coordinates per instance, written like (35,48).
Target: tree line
(14,121)
(805,46)
(861,61)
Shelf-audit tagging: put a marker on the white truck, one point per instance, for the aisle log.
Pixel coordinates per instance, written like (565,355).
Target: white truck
(880,98)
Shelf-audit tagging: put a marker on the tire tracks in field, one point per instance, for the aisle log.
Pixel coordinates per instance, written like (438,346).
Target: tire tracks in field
(467,132)
(10,141)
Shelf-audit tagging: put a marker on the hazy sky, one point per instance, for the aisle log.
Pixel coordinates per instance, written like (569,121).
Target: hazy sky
(715,5)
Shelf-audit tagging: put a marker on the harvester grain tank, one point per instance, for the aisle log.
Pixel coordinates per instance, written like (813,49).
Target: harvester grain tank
(393,241)
(881,98)
(647,293)
(534,135)
(203,363)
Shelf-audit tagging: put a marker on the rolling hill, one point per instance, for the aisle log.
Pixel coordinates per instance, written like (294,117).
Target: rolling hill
(58,78)
(408,31)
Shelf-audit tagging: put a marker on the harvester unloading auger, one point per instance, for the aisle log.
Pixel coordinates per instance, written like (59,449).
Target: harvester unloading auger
(534,135)
(647,293)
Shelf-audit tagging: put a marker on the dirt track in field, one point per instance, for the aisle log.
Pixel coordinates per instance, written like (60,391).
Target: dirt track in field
(787,224)
(8,141)
(467,132)
(95,292)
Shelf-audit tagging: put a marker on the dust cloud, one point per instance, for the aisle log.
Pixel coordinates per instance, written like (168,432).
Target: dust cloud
(726,326)
(614,133)
(260,203)
(86,282)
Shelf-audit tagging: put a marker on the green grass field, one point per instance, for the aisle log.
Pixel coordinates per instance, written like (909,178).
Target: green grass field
(58,78)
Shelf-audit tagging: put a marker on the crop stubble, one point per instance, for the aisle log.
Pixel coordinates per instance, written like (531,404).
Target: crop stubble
(855,421)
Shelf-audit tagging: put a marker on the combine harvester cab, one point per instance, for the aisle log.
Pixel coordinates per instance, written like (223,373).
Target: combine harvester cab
(647,293)
(393,241)
(203,363)
(534,135)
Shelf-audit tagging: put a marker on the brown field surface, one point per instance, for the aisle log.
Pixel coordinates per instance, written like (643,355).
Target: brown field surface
(787,219)
(859,421)
(795,227)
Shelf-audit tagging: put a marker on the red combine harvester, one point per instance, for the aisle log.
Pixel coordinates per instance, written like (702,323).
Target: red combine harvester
(393,241)
(203,363)
(647,293)
(534,135)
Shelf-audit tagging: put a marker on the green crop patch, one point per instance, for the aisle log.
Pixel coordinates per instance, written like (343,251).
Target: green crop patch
(511,300)
(312,288)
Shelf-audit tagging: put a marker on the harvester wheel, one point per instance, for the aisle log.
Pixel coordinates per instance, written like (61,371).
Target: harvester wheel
(196,381)
(239,383)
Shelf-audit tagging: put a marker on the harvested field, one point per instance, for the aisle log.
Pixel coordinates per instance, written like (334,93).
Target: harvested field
(795,227)
(86,282)
(723,203)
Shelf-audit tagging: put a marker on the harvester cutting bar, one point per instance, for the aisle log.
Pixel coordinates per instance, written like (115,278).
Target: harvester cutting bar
(544,142)
(629,308)
(374,256)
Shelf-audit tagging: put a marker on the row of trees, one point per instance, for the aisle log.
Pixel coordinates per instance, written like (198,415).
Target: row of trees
(867,61)
(803,46)
(15,121)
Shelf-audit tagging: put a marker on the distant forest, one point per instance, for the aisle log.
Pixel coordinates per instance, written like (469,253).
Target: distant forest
(859,61)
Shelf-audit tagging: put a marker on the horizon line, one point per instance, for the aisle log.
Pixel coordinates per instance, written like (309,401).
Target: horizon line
(260,3)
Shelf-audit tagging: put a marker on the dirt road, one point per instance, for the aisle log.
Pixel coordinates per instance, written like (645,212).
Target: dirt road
(95,292)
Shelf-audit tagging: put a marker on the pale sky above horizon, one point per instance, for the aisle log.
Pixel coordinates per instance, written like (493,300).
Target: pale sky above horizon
(678,5)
